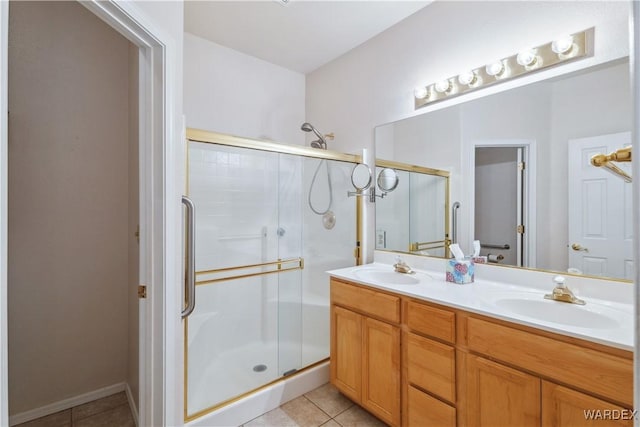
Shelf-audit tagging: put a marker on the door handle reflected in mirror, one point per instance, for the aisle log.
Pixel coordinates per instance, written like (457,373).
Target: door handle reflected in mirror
(579,248)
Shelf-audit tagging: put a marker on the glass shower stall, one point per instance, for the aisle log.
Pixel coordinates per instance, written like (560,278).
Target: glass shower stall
(270,219)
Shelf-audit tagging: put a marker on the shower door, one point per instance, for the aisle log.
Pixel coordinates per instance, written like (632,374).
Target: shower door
(247,320)
(270,220)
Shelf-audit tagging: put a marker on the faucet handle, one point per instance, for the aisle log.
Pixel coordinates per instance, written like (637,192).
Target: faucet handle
(402,267)
(559,281)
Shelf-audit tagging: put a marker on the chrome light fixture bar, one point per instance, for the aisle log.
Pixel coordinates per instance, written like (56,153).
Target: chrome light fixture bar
(562,50)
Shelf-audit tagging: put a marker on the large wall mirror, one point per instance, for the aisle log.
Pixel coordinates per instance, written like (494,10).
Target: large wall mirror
(519,165)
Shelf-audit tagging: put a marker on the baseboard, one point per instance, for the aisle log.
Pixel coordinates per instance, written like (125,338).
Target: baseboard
(132,403)
(61,405)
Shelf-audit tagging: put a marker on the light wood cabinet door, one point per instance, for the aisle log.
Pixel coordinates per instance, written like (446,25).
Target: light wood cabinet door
(564,407)
(500,396)
(381,370)
(346,352)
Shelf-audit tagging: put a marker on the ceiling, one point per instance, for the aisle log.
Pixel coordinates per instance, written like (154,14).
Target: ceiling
(302,35)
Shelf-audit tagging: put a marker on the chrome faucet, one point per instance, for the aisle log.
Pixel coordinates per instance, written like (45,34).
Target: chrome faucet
(562,293)
(401,267)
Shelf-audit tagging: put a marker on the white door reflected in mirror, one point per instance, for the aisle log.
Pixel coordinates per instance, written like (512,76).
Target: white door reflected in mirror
(600,240)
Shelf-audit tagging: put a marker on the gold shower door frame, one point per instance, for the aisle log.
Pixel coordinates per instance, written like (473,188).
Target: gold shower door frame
(276,266)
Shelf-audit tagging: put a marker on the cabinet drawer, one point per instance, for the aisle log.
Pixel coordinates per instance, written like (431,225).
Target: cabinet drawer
(424,410)
(597,372)
(431,366)
(431,321)
(368,301)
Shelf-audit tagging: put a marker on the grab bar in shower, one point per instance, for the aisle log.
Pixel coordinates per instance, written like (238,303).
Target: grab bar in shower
(489,246)
(422,246)
(454,221)
(190,267)
(280,266)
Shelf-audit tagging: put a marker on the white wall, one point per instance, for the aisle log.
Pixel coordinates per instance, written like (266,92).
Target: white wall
(373,84)
(68,207)
(229,92)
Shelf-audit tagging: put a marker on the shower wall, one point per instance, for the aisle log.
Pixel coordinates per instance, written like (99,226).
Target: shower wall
(324,249)
(252,208)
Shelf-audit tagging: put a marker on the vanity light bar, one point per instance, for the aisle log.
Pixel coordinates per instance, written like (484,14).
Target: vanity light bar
(564,49)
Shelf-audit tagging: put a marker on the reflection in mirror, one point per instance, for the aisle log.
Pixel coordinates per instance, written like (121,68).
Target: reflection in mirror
(387,180)
(413,217)
(520,166)
(361,177)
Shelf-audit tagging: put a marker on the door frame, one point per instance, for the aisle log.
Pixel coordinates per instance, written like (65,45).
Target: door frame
(529,187)
(160,387)
(634,71)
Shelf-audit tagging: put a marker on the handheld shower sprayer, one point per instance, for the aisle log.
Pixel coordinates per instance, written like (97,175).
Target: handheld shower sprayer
(328,217)
(321,142)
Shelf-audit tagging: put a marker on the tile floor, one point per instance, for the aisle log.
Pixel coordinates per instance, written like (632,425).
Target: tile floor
(110,411)
(324,406)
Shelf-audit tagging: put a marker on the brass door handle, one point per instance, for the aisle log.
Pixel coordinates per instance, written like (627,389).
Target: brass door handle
(579,248)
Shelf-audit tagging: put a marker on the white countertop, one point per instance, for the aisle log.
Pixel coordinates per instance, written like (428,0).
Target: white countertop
(601,320)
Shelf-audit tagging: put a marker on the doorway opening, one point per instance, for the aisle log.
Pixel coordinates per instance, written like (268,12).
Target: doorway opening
(503,187)
(499,223)
(73,213)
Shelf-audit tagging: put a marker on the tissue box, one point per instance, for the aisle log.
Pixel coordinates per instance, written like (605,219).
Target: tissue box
(460,272)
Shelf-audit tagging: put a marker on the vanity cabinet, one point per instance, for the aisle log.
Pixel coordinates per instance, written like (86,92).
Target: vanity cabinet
(465,369)
(365,348)
(514,372)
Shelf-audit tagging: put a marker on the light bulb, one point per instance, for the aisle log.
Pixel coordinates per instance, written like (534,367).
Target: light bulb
(443,86)
(467,78)
(495,69)
(563,45)
(421,92)
(527,58)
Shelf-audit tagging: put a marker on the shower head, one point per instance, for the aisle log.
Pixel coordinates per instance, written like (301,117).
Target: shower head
(320,143)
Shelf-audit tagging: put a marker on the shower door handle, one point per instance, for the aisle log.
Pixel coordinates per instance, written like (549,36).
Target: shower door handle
(190,267)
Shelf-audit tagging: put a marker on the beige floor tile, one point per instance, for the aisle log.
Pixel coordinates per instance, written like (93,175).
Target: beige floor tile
(97,406)
(116,417)
(275,418)
(305,413)
(358,417)
(329,399)
(59,419)
(330,423)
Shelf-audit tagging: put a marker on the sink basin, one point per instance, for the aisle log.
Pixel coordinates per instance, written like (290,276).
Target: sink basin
(592,315)
(387,277)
